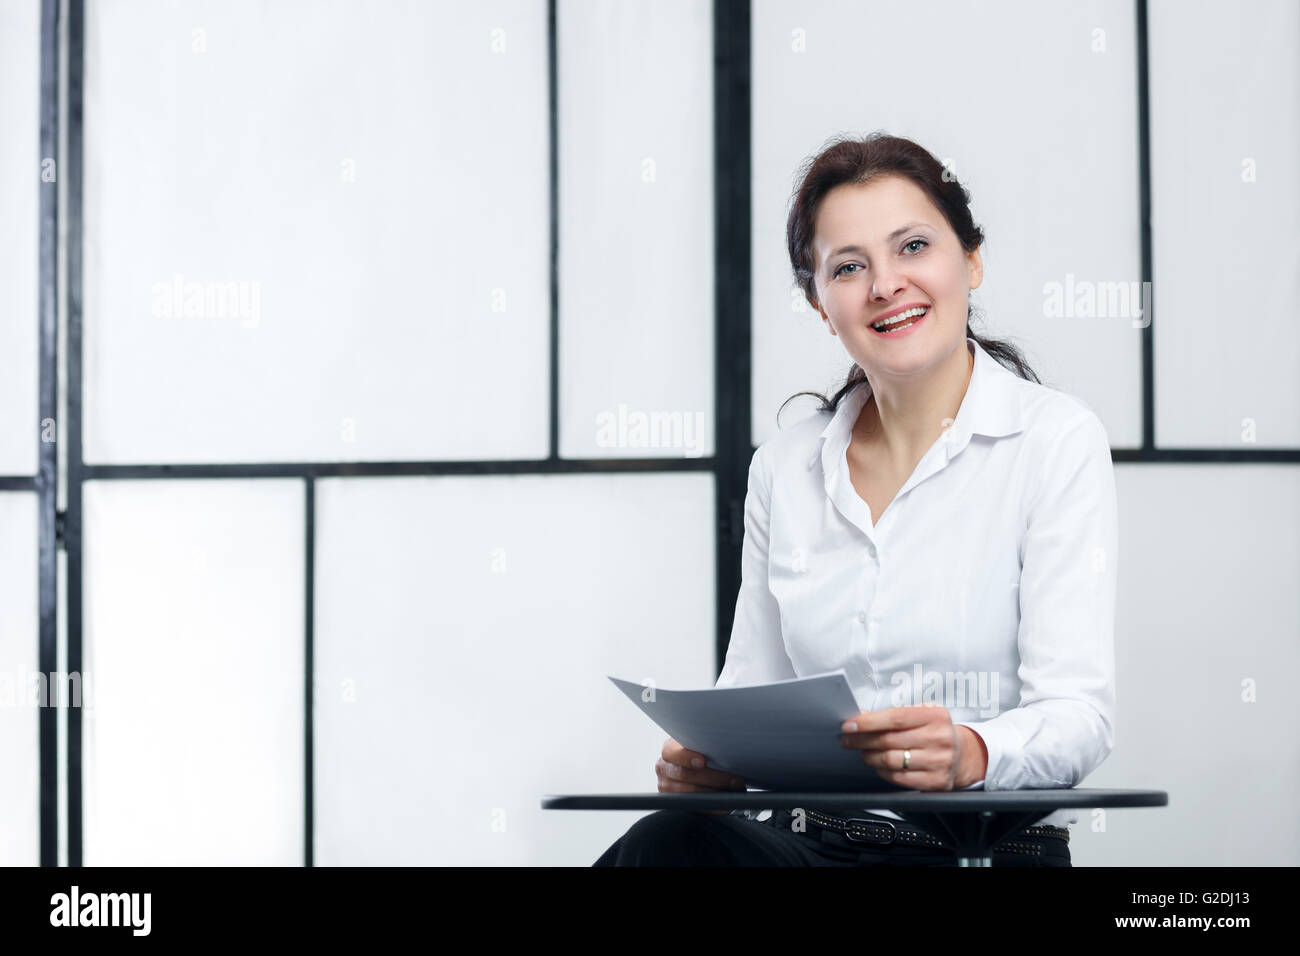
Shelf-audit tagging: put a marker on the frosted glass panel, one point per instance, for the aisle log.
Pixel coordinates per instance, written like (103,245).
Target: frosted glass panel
(464,630)
(20,186)
(636,229)
(1040,126)
(316,231)
(194,651)
(1225,223)
(1206,646)
(20,681)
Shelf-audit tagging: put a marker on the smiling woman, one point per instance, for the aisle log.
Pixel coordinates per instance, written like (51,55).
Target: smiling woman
(855,188)
(943,529)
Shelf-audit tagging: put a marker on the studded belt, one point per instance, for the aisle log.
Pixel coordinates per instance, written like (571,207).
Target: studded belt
(889,832)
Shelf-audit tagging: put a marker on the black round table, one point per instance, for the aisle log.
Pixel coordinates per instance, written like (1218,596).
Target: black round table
(971,820)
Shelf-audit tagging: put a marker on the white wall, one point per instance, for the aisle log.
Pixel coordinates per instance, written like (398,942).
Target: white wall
(1225,206)
(464,629)
(1207,633)
(382,227)
(193,650)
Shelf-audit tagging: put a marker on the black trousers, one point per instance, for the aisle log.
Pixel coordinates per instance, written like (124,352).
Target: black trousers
(695,838)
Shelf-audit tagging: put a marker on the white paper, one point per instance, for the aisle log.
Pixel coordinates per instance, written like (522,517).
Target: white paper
(779,736)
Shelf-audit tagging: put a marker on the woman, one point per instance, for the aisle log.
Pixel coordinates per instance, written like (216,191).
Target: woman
(942,528)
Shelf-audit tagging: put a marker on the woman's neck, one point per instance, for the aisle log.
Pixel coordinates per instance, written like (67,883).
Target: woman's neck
(903,418)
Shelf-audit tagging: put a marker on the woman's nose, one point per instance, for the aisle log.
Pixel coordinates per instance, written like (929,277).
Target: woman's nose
(887,284)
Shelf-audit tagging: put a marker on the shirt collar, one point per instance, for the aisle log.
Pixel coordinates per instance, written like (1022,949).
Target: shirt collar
(990,407)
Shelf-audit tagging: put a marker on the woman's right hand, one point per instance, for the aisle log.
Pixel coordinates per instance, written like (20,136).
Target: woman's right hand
(683,771)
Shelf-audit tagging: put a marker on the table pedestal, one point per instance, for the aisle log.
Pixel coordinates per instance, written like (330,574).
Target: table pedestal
(972,835)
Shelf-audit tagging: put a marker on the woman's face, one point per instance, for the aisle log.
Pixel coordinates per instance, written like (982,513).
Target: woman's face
(881,246)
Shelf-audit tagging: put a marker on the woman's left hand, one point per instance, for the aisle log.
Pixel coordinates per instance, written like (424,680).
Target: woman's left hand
(941,755)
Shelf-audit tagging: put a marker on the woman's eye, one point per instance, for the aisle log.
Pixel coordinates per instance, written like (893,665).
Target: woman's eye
(846,265)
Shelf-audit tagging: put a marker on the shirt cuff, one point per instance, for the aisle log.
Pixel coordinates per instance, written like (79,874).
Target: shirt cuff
(999,741)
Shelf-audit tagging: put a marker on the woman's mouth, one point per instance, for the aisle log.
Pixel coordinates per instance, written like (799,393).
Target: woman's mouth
(902,323)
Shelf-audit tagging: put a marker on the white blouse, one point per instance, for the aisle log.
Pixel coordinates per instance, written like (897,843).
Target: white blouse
(987,585)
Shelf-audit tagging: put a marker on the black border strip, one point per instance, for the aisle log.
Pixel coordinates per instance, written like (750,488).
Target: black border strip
(553,159)
(732,196)
(73,541)
(46,482)
(1188,456)
(309,709)
(389,469)
(1144,230)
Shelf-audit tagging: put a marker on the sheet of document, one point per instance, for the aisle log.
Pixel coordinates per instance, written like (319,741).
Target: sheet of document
(779,736)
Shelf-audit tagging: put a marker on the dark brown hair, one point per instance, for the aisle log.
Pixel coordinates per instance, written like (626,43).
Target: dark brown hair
(858,161)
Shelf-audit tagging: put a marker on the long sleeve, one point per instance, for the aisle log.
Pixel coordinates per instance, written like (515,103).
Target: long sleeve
(1064,726)
(756,652)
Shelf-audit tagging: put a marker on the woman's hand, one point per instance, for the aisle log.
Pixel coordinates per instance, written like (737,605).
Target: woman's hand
(943,756)
(682,771)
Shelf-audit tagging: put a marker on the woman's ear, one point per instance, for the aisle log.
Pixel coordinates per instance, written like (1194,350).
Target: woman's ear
(827,319)
(975,268)
(822,312)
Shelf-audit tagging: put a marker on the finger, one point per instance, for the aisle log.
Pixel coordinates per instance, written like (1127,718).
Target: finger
(893,718)
(693,768)
(891,740)
(937,764)
(861,718)
(675,753)
(668,785)
(892,760)
(711,778)
(704,780)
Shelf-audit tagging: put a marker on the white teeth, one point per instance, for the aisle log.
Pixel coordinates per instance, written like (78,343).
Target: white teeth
(893,320)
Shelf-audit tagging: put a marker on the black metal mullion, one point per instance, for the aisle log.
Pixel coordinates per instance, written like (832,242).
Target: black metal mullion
(554,250)
(309,711)
(1218,456)
(1144,228)
(732,189)
(393,469)
(46,481)
(73,541)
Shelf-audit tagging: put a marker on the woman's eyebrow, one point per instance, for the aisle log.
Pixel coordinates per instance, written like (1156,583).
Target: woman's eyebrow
(889,238)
